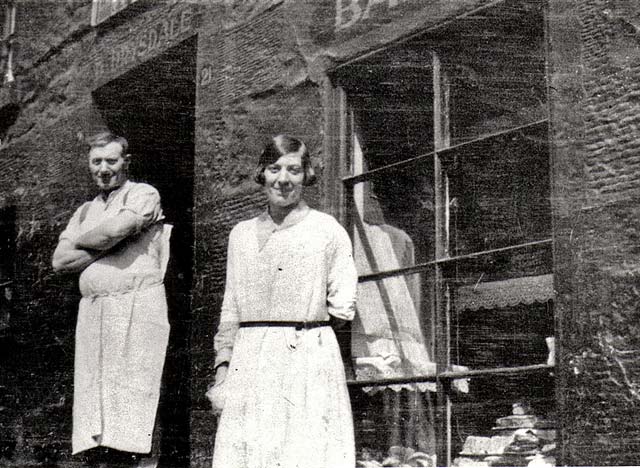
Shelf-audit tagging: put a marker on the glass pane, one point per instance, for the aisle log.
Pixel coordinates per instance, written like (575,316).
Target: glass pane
(394,427)
(474,272)
(499,192)
(494,62)
(393,334)
(501,308)
(390,98)
(514,335)
(505,421)
(393,219)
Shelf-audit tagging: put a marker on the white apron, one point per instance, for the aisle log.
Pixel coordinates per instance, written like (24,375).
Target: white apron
(121,339)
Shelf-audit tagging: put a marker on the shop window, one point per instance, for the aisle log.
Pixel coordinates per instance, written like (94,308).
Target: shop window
(442,144)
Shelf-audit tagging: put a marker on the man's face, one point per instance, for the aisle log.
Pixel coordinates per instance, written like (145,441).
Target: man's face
(108,166)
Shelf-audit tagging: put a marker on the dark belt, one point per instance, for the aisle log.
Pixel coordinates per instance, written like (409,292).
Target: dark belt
(281,323)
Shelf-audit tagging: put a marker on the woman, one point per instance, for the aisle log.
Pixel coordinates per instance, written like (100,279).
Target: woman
(279,377)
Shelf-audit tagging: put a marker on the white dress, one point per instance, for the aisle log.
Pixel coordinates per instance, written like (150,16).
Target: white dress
(287,403)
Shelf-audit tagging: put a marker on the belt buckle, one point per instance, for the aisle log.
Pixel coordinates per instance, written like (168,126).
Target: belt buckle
(302,326)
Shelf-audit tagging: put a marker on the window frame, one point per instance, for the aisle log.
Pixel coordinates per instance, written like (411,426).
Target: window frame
(340,180)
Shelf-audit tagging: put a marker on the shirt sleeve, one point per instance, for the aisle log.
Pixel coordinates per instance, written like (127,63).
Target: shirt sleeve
(342,279)
(72,231)
(229,316)
(144,201)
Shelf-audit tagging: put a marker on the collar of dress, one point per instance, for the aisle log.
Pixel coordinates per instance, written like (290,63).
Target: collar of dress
(265,226)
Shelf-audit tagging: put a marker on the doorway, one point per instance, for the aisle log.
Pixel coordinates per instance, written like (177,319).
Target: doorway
(153,106)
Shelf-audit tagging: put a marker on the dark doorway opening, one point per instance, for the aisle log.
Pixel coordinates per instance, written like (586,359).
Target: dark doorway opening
(153,106)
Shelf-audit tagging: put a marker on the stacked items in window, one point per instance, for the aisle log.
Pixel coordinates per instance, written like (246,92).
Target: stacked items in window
(523,438)
(397,456)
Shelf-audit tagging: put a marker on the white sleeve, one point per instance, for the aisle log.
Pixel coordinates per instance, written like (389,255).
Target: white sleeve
(229,317)
(342,278)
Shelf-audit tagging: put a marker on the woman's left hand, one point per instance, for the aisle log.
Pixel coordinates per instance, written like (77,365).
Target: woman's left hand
(216,396)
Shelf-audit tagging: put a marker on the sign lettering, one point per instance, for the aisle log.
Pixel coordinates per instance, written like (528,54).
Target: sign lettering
(350,12)
(156,37)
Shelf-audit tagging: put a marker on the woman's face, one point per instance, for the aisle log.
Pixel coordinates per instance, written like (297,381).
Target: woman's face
(284,181)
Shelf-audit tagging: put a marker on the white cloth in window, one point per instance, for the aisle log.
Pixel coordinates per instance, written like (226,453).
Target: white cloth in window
(387,339)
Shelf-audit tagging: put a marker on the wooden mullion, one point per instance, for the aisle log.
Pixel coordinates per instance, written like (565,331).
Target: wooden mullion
(363,177)
(493,251)
(454,375)
(333,151)
(426,266)
(344,135)
(442,306)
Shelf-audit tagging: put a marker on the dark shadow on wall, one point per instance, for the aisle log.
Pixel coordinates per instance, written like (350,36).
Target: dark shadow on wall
(153,106)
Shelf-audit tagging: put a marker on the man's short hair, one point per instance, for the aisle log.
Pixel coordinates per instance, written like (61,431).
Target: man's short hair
(101,139)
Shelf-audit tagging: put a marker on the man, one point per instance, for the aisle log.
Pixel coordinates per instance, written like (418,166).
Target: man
(119,245)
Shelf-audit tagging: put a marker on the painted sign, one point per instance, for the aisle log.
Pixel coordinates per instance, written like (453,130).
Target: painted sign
(339,29)
(349,13)
(332,20)
(105,9)
(155,37)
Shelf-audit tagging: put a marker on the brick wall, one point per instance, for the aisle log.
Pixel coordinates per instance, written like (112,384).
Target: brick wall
(43,177)
(595,59)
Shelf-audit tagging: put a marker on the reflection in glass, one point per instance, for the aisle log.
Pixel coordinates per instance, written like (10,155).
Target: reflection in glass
(393,219)
(390,99)
(387,338)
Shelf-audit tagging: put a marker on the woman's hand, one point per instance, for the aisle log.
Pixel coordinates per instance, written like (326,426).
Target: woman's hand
(221,372)
(216,394)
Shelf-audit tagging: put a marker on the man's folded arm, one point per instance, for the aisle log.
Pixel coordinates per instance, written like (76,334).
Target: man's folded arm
(67,258)
(110,232)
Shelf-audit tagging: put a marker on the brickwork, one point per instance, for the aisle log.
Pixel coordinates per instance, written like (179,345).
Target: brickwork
(44,175)
(594,82)
(611,58)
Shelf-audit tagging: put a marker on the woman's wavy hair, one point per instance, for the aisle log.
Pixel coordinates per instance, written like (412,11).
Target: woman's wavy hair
(279,146)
